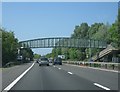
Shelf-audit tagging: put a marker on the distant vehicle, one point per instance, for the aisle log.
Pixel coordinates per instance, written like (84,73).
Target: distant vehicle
(57,60)
(61,56)
(43,61)
(37,60)
(50,60)
(19,58)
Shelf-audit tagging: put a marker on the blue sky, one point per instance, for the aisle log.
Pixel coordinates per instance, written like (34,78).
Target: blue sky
(37,20)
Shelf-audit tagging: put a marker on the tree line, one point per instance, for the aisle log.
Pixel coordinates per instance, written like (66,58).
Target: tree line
(10,46)
(98,31)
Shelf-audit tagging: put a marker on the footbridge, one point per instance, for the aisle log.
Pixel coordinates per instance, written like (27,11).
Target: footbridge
(63,42)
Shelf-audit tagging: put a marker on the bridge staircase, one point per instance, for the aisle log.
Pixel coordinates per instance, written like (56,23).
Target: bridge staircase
(104,52)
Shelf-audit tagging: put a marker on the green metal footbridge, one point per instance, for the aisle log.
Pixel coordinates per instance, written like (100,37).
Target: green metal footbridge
(63,42)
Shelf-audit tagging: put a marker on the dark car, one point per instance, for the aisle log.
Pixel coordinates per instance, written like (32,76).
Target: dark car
(43,61)
(57,60)
(37,60)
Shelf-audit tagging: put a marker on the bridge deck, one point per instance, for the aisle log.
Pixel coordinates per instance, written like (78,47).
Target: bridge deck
(63,42)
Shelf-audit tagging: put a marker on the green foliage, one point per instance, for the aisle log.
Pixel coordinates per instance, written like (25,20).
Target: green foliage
(81,31)
(54,53)
(72,54)
(36,56)
(114,32)
(49,55)
(0,33)
(27,53)
(65,51)
(98,31)
(102,33)
(94,29)
(9,46)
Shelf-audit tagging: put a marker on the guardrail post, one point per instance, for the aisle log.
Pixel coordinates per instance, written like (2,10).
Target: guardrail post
(105,66)
(90,64)
(113,66)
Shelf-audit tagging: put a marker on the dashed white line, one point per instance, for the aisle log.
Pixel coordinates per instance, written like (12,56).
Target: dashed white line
(53,66)
(70,73)
(59,68)
(17,79)
(103,87)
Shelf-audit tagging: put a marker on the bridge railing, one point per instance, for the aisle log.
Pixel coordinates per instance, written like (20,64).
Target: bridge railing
(103,65)
(63,42)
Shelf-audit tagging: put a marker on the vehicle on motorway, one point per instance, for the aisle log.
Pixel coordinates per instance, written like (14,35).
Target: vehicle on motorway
(57,60)
(50,60)
(43,61)
(19,58)
(37,60)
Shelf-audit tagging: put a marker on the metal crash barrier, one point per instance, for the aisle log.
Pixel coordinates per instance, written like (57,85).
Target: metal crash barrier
(104,65)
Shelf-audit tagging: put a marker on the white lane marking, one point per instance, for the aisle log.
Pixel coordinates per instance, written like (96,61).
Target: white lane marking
(17,79)
(59,68)
(96,84)
(70,73)
(53,66)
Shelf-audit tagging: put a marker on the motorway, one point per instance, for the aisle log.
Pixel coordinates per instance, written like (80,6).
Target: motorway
(62,77)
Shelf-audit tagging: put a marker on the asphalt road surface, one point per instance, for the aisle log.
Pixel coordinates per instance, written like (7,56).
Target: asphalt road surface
(66,77)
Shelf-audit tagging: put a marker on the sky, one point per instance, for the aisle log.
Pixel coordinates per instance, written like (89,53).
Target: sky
(32,20)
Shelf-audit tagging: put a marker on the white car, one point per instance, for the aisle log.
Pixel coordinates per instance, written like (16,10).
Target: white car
(43,61)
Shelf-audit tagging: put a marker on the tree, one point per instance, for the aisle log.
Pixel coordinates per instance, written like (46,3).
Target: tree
(102,33)
(114,32)
(65,51)
(0,33)
(98,31)
(81,31)
(93,29)
(36,56)
(72,53)
(119,26)
(49,55)
(9,46)
(54,53)
(27,53)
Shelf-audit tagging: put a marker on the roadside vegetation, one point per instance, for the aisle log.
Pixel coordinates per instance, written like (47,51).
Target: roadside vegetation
(98,31)
(10,49)
(36,56)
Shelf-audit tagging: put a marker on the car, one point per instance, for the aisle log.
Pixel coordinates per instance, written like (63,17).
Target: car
(19,58)
(37,60)
(57,60)
(43,61)
(50,60)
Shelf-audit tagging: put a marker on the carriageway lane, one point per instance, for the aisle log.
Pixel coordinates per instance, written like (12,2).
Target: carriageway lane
(106,78)
(11,73)
(52,78)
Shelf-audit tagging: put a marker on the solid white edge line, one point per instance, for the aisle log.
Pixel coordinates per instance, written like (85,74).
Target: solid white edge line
(17,79)
(96,84)
(70,73)
(59,68)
